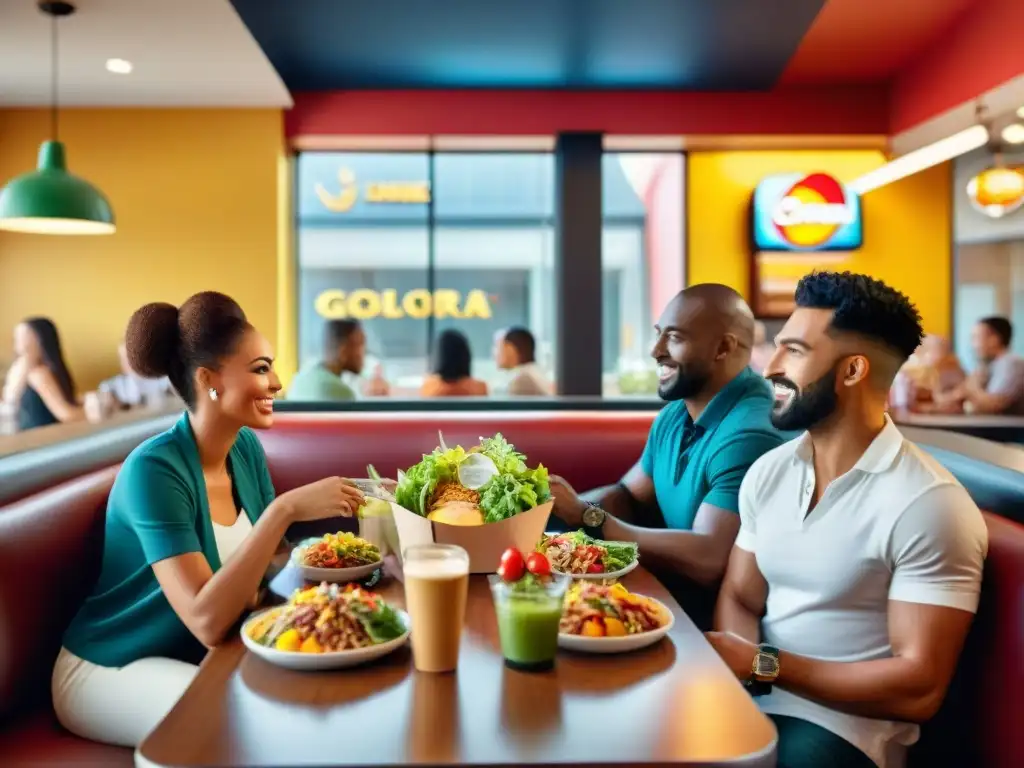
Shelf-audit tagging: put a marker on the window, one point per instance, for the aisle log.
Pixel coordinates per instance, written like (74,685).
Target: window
(412,244)
(643,261)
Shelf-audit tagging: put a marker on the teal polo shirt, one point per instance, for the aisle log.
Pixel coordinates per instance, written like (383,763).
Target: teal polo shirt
(158,508)
(704,461)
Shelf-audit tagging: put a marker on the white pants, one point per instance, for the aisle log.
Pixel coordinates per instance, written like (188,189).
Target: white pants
(117,705)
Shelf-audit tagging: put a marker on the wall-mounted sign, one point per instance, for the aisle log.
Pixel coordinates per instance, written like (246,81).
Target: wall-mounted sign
(806,212)
(364,304)
(997,191)
(408,192)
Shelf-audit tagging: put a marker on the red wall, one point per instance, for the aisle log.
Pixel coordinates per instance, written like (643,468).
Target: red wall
(848,110)
(983,51)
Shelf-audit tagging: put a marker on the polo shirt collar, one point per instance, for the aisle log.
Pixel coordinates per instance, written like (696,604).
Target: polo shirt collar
(878,457)
(723,402)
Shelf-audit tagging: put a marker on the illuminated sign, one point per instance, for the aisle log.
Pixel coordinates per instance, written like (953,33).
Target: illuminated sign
(374,192)
(364,304)
(812,212)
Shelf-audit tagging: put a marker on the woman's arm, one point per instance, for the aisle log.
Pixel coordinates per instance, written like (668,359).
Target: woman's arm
(14,384)
(42,380)
(210,603)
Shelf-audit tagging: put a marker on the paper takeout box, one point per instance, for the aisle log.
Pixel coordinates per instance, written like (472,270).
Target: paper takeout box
(484,543)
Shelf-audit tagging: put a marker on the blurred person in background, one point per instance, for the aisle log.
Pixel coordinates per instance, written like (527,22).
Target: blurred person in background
(344,351)
(931,373)
(130,390)
(762,350)
(451,369)
(515,351)
(39,386)
(997,385)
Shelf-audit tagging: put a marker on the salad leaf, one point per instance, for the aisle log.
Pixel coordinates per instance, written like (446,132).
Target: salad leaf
(516,488)
(418,484)
(382,623)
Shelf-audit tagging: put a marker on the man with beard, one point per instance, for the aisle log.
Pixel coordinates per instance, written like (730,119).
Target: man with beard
(859,557)
(717,423)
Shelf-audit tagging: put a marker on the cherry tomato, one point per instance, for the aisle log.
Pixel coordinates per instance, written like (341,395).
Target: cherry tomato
(538,565)
(595,568)
(512,565)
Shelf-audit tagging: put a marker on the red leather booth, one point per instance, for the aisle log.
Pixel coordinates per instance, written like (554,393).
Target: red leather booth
(50,544)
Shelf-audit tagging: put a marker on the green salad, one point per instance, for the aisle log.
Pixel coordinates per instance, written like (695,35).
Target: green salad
(434,483)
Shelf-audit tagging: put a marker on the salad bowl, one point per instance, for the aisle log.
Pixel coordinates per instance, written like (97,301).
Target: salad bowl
(330,575)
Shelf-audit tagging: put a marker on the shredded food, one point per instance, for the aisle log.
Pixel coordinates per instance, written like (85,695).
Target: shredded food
(449,492)
(599,610)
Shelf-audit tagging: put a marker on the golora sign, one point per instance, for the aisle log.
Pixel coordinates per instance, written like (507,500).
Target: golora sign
(364,304)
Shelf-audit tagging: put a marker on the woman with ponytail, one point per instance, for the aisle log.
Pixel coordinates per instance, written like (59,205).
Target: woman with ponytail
(192,524)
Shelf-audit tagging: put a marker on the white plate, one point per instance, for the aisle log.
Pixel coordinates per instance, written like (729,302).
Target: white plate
(331,575)
(332,660)
(599,576)
(618,644)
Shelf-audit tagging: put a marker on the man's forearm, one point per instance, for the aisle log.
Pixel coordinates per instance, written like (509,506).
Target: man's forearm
(889,689)
(690,554)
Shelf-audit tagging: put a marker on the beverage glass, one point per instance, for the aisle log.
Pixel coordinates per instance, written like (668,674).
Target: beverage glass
(436,585)
(528,621)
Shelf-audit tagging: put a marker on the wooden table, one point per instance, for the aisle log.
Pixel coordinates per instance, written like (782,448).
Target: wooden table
(674,703)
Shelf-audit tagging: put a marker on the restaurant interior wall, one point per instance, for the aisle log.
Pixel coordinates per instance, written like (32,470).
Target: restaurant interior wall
(195,195)
(989,258)
(907,224)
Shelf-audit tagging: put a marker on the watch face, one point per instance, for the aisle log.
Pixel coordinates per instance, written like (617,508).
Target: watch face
(766,665)
(593,517)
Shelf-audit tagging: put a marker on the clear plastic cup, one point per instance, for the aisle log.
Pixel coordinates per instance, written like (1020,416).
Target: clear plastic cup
(436,586)
(528,621)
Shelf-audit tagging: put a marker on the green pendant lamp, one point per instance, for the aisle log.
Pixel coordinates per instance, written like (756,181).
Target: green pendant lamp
(49,200)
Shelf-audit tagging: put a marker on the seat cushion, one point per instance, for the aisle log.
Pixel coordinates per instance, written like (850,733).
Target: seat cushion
(39,740)
(51,544)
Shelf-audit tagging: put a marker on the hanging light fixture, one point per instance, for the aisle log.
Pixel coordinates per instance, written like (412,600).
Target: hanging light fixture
(49,200)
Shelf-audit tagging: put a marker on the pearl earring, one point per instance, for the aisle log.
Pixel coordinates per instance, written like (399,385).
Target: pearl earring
(213,393)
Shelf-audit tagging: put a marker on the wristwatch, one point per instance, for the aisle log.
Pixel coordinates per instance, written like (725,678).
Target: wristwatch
(764,670)
(593,516)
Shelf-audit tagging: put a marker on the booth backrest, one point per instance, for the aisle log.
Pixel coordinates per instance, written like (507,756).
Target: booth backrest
(588,449)
(50,546)
(50,549)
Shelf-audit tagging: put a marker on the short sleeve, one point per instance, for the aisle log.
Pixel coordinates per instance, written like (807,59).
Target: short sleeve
(1007,379)
(155,500)
(747,535)
(938,548)
(653,439)
(257,459)
(729,466)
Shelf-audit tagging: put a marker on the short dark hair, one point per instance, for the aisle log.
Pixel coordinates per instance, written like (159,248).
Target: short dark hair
(522,342)
(1001,327)
(452,356)
(165,340)
(865,306)
(337,332)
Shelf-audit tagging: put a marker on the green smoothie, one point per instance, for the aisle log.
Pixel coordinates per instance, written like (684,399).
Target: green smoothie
(528,623)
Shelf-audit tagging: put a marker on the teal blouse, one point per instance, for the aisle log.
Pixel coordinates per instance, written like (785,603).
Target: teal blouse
(158,508)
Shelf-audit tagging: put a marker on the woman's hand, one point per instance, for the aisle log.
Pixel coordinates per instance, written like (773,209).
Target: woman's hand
(330,497)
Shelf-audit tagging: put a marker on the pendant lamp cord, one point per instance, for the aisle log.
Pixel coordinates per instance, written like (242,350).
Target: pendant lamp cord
(53,84)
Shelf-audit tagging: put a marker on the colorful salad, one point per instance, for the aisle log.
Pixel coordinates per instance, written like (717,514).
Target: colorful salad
(577,553)
(437,488)
(339,550)
(598,610)
(327,618)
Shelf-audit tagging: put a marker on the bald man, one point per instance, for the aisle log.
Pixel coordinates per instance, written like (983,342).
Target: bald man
(679,502)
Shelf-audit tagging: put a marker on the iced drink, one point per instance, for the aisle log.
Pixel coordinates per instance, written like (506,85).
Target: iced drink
(436,584)
(528,616)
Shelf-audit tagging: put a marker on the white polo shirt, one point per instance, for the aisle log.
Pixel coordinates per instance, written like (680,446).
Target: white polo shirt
(897,526)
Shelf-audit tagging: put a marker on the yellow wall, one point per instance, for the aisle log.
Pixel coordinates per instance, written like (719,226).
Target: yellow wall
(195,197)
(907,241)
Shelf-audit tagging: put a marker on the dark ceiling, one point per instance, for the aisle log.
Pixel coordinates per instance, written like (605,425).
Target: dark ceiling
(727,45)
